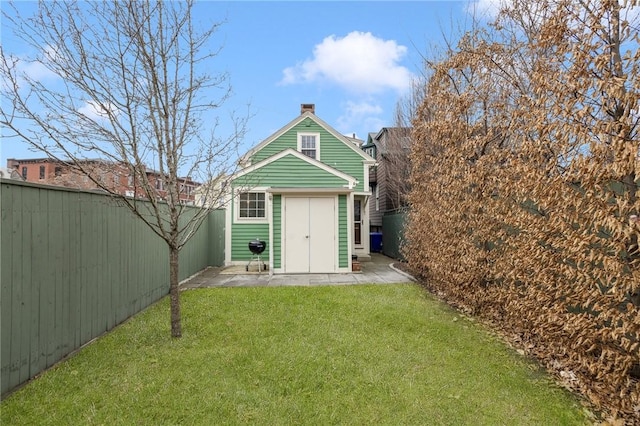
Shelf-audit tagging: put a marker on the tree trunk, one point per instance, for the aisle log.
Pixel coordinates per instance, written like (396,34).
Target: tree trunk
(174,293)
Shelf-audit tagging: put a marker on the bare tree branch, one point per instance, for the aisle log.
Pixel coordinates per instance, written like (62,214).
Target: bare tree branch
(130,87)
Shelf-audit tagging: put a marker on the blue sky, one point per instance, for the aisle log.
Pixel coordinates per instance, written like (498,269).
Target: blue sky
(352,59)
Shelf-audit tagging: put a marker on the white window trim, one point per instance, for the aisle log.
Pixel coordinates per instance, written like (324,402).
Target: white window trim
(317,136)
(236,206)
(353,231)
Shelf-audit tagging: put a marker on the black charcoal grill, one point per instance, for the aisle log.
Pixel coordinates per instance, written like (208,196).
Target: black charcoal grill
(256,247)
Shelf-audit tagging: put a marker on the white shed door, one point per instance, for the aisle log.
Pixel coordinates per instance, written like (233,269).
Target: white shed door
(309,234)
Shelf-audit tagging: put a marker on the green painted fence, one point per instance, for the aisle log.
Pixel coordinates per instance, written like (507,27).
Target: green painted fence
(393,234)
(75,264)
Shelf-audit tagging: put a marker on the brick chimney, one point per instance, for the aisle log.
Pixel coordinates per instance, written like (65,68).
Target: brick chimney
(307,107)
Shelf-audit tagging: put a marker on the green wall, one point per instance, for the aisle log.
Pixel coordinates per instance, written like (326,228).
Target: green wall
(75,264)
(290,172)
(277,231)
(343,243)
(245,232)
(333,152)
(393,224)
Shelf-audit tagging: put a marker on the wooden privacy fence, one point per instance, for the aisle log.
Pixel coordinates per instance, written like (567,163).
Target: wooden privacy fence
(393,233)
(74,265)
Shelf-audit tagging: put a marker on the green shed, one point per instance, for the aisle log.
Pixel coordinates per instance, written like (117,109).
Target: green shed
(302,190)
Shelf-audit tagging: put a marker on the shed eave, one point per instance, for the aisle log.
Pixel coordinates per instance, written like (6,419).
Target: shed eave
(306,190)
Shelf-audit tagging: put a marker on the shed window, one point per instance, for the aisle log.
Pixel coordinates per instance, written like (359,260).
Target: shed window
(252,205)
(309,144)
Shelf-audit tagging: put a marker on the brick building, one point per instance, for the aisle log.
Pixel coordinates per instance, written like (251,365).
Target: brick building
(115,177)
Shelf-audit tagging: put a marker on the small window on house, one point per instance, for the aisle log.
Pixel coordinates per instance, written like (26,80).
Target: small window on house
(41,172)
(24,173)
(357,222)
(159,184)
(308,144)
(185,188)
(252,205)
(58,171)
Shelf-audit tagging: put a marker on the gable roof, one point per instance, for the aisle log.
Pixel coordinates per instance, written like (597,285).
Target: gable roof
(308,114)
(400,135)
(369,142)
(357,142)
(393,131)
(7,173)
(290,151)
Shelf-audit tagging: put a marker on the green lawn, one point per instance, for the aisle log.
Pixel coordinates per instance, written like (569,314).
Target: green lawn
(362,355)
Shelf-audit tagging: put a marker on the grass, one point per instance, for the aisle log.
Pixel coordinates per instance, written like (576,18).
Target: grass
(296,355)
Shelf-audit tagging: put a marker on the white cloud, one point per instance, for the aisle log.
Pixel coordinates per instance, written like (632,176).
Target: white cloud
(486,9)
(36,71)
(360,118)
(489,9)
(28,71)
(363,108)
(358,62)
(94,111)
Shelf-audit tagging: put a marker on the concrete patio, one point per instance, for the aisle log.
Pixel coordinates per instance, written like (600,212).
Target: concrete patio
(379,270)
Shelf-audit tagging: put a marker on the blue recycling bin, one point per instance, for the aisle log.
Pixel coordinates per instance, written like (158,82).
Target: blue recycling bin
(376,241)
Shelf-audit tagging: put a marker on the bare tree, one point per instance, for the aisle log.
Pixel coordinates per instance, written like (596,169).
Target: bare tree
(133,86)
(394,147)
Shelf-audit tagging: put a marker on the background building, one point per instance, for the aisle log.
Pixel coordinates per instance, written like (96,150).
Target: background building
(114,177)
(389,178)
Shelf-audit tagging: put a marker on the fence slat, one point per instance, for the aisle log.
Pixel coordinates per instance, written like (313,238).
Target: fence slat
(393,234)
(75,264)
(6,277)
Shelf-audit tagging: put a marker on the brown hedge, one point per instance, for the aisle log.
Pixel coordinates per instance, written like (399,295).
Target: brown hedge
(524,198)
